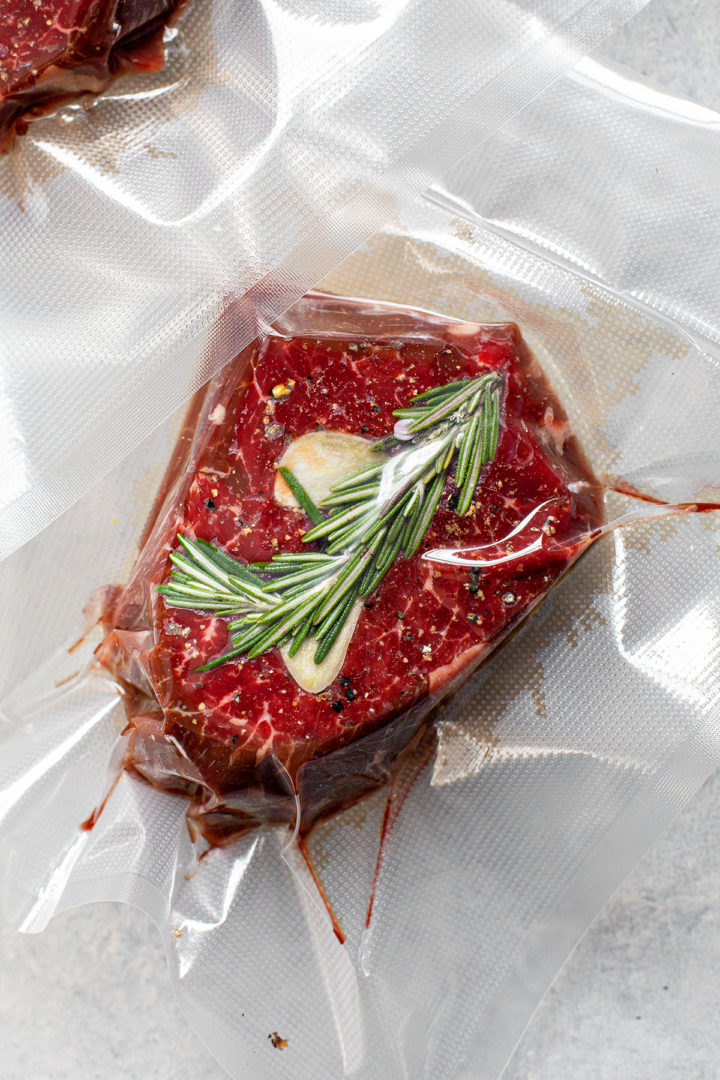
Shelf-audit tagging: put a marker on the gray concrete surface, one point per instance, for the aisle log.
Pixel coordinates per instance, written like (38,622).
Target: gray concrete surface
(638,1000)
(677,44)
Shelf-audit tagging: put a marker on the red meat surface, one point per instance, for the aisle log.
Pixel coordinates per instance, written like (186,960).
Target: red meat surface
(244,739)
(52,50)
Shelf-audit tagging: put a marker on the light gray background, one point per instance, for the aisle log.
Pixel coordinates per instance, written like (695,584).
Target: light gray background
(638,1000)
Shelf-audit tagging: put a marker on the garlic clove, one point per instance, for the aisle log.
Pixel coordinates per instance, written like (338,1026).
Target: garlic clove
(317,677)
(320,459)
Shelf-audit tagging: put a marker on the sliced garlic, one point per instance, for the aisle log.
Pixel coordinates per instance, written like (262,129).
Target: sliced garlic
(317,677)
(319,459)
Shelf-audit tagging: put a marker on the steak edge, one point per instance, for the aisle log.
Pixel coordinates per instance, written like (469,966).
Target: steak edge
(54,50)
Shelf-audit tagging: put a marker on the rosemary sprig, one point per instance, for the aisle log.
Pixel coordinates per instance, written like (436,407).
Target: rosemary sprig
(373,517)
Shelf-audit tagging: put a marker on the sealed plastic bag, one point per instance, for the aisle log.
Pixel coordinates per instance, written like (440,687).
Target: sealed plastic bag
(277,138)
(367,500)
(554,766)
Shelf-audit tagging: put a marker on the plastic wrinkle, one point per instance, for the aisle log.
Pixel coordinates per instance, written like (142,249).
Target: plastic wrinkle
(476,557)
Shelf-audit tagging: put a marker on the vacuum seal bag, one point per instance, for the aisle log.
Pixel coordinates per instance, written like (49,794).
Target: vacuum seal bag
(374,492)
(276,138)
(372,497)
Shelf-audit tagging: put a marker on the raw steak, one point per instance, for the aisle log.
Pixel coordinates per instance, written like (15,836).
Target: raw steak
(52,50)
(243,740)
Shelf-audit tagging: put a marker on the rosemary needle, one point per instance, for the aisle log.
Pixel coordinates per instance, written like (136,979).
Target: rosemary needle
(302,496)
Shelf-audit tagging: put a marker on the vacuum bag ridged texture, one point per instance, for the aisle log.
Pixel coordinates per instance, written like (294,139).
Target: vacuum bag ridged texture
(558,762)
(278,137)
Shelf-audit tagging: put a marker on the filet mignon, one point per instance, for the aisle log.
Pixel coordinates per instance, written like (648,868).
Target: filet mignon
(53,50)
(244,740)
